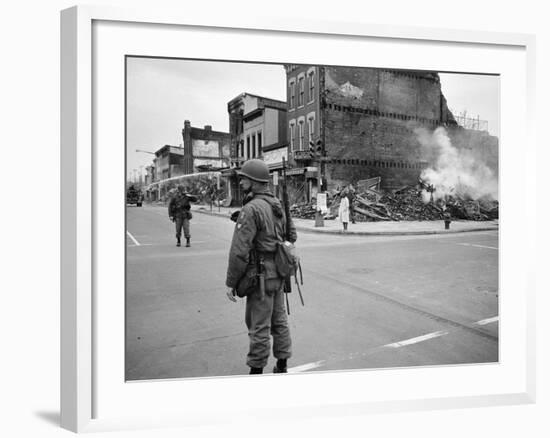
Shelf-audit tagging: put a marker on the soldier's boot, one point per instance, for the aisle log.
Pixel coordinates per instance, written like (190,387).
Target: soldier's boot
(280,367)
(256,370)
(188,241)
(178,243)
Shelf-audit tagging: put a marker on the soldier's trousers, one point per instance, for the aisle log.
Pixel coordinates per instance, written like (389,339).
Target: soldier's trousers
(265,318)
(182,222)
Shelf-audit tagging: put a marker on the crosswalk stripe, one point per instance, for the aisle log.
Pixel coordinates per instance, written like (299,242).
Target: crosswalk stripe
(416,340)
(306,367)
(133,238)
(487,321)
(477,246)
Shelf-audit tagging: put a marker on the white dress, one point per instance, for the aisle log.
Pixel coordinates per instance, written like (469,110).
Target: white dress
(343,210)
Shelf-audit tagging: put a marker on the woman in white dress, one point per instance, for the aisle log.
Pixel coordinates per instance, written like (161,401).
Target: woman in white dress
(343,211)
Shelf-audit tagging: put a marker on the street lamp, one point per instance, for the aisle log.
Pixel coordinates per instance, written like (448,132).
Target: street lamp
(145,152)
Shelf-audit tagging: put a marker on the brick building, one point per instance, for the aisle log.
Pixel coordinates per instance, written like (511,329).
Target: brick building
(204,149)
(366,120)
(257,127)
(168,162)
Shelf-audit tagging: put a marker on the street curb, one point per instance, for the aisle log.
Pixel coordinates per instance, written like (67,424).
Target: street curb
(211,213)
(391,233)
(368,233)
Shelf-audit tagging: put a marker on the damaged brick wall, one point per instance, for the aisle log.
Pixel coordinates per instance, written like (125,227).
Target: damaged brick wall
(413,94)
(370,117)
(367,146)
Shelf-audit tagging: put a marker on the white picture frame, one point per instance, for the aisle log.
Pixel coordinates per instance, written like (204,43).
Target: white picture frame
(87,375)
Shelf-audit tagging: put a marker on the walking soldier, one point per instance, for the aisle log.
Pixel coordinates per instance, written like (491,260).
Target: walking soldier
(252,271)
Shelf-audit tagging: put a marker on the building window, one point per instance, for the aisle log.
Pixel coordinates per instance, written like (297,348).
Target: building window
(301,91)
(292,132)
(301,134)
(247,156)
(311,126)
(253,146)
(239,122)
(259,143)
(311,80)
(292,94)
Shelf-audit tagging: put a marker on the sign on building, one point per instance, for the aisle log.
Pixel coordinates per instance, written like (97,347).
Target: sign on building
(322,202)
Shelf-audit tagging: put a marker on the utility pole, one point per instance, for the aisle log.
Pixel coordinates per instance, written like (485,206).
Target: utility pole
(320,144)
(316,153)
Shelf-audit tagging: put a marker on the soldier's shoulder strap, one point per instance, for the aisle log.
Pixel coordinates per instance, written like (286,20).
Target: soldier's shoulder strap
(276,209)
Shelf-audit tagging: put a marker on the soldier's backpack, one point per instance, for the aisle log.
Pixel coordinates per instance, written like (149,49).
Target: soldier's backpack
(287,262)
(286,259)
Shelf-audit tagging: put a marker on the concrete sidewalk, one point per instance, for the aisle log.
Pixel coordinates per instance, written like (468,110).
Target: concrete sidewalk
(381,228)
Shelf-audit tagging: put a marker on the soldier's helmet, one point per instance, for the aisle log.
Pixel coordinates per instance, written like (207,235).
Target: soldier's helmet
(255,170)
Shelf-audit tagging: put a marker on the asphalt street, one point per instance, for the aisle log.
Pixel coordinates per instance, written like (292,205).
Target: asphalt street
(370,301)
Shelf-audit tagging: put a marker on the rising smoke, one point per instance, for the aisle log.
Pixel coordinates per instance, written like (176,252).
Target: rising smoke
(454,172)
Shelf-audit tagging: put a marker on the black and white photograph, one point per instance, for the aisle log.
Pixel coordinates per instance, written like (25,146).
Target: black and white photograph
(293,218)
(285,219)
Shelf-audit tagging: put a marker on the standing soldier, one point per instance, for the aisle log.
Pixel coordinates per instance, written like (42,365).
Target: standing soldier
(252,271)
(179,211)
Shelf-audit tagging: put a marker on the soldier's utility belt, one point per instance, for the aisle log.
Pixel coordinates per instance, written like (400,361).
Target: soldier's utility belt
(258,276)
(265,255)
(185,214)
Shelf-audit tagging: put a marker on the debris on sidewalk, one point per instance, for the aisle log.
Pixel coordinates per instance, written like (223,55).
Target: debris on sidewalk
(404,204)
(303,210)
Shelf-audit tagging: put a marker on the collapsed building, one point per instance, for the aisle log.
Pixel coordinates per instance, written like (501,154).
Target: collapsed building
(202,150)
(347,124)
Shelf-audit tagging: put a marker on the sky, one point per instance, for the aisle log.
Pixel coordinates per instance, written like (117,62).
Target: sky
(163,93)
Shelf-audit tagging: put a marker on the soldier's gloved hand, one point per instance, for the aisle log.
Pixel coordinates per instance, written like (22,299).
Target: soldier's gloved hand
(235,215)
(231,294)
(172,218)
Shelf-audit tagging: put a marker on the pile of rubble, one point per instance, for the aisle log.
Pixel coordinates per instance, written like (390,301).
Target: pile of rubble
(406,204)
(303,210)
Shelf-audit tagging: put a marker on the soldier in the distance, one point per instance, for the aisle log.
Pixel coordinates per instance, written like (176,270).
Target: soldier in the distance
(179,211)
(260,225)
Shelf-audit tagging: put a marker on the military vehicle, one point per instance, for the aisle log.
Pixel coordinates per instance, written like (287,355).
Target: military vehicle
(134,196)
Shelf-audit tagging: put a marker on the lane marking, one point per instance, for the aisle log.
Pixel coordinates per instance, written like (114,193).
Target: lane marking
(416,340)
(169,244)
(477,246)
(306,367)
(487,321)
(133,238)
(313,365)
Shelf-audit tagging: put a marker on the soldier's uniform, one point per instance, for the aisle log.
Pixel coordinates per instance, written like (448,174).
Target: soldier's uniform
(261,223)
(179,209)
